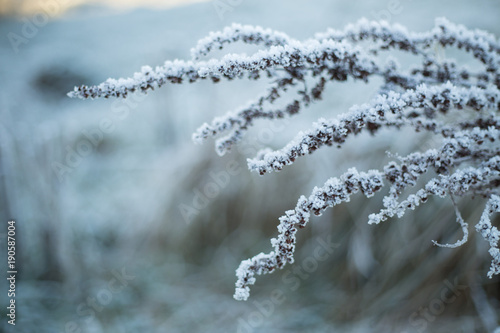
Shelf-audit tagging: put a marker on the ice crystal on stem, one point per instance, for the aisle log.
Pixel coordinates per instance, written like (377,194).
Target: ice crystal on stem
(466,164)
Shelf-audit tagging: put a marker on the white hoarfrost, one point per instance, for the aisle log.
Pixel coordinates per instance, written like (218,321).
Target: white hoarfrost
(427,97)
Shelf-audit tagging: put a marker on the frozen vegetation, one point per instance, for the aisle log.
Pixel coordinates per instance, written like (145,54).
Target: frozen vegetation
(427,97)
(125,225)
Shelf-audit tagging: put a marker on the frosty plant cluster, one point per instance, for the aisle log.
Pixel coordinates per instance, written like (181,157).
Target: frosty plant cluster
(429,96)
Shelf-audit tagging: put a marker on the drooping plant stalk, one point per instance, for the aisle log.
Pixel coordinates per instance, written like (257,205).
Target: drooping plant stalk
(427,97)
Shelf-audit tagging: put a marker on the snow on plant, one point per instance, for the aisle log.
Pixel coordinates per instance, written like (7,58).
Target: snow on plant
(426,97)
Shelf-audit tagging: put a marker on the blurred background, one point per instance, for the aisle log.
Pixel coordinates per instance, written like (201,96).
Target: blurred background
(125,225)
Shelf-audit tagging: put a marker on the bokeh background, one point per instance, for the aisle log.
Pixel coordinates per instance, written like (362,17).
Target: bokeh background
(117,211)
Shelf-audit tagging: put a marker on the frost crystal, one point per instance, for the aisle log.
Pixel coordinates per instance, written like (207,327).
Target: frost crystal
(427,97)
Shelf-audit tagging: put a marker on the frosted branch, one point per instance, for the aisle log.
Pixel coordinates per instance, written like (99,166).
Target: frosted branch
(231,66)
(334,192)
(490,233)
(453,103)
(462,223)
(482,45)
(237,32)
(374,116)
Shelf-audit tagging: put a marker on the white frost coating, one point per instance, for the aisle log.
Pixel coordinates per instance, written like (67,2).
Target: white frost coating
(292,55)
(490,233)
(458,106)
(237,32)
(484,45)
(320,55)
(465,229)
(334,192)
(384,111)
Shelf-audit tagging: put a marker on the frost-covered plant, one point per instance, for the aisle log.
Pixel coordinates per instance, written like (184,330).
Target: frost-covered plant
(427,97)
